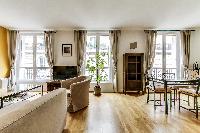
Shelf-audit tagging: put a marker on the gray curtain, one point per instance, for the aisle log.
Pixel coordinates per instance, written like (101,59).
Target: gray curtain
(114,42)
(185,47)
(150,48)
(13,41)
(49,46)
(80,41)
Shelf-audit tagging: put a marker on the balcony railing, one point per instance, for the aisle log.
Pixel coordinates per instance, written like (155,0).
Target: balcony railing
(157,72)
(27,73)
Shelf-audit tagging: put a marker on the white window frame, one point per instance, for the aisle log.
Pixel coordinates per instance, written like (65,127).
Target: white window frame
(164,51)
(98,34)
(17,67)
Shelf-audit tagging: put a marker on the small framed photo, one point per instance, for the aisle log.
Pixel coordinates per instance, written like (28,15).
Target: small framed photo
(66,49)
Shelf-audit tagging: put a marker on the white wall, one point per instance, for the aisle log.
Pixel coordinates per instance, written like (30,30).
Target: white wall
(64,37)
(126,38)
(195,47)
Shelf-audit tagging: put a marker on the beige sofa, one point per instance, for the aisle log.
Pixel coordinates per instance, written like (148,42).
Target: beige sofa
(46,114)
(77,92)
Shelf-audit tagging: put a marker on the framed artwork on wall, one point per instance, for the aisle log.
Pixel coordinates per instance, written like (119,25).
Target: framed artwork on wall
(66,49)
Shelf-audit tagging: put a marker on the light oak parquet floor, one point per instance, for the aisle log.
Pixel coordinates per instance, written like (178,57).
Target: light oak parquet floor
(119,113)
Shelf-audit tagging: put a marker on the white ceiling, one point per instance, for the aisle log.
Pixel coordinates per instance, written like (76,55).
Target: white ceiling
(99,14)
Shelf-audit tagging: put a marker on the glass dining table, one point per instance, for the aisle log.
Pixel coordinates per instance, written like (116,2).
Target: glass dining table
(178,82)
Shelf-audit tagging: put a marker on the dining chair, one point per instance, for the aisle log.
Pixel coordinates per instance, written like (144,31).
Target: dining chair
(171,76)
(193,92)
(156,86)
(189,74)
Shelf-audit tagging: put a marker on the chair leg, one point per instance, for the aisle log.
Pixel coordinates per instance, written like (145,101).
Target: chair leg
(194,102)
(179,101)
(188,100)
(148,95)
(197,108)
(164,98)
(154,97)
(174,96)
(170,100)
(160,98)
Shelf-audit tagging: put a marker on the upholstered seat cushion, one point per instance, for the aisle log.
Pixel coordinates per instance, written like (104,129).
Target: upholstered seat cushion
(162,90)
(180,86)
(189,91)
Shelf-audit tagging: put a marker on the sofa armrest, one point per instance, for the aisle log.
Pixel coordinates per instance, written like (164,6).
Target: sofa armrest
(66,83)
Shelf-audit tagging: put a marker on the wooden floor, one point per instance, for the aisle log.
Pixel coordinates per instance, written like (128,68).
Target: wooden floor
(119,113)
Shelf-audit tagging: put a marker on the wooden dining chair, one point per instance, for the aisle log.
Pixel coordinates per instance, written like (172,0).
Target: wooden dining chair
(189,74)
(193,92)
(156,87)
(171,76)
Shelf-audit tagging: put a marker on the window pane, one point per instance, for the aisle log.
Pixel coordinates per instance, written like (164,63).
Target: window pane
(25,73)
(41,60)
(91,44)
(104,44)
(158,52)
(43,74)
(105,57)
(171,51)
(157,65)
(26,53)
(106,74)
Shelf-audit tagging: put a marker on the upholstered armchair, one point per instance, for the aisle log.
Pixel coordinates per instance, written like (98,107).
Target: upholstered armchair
(77,92)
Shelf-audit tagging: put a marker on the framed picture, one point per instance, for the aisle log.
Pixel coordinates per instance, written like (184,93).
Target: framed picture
(66,49)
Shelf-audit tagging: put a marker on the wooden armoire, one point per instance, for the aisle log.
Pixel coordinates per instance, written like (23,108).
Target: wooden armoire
(133,72)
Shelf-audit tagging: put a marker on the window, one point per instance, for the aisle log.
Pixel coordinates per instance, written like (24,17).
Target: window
(99,43)
(167,54)
(32,65)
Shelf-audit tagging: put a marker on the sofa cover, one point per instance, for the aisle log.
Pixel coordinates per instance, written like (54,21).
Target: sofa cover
(46,114)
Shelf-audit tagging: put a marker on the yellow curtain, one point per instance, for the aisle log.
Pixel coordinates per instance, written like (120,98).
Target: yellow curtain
(4,58)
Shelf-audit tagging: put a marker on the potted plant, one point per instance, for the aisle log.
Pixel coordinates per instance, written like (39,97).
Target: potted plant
(95,66)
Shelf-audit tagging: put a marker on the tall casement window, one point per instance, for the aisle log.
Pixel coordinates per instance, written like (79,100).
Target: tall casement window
(99,43)
(32,66)
(167,54)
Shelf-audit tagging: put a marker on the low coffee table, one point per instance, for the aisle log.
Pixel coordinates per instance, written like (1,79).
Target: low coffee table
(52,85)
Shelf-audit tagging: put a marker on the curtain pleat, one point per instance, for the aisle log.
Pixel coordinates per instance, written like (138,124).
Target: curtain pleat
(13,44)
(185,47)
(49,46)
(114,42)
(80,41)
(150,48)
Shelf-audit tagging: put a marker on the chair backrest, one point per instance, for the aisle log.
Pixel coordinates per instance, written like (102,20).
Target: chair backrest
(168,76)
(191,74)
(151,81)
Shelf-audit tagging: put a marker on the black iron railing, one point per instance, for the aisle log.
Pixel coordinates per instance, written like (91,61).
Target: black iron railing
(158,72)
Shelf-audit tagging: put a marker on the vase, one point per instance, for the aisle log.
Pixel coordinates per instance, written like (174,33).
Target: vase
(97,90)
